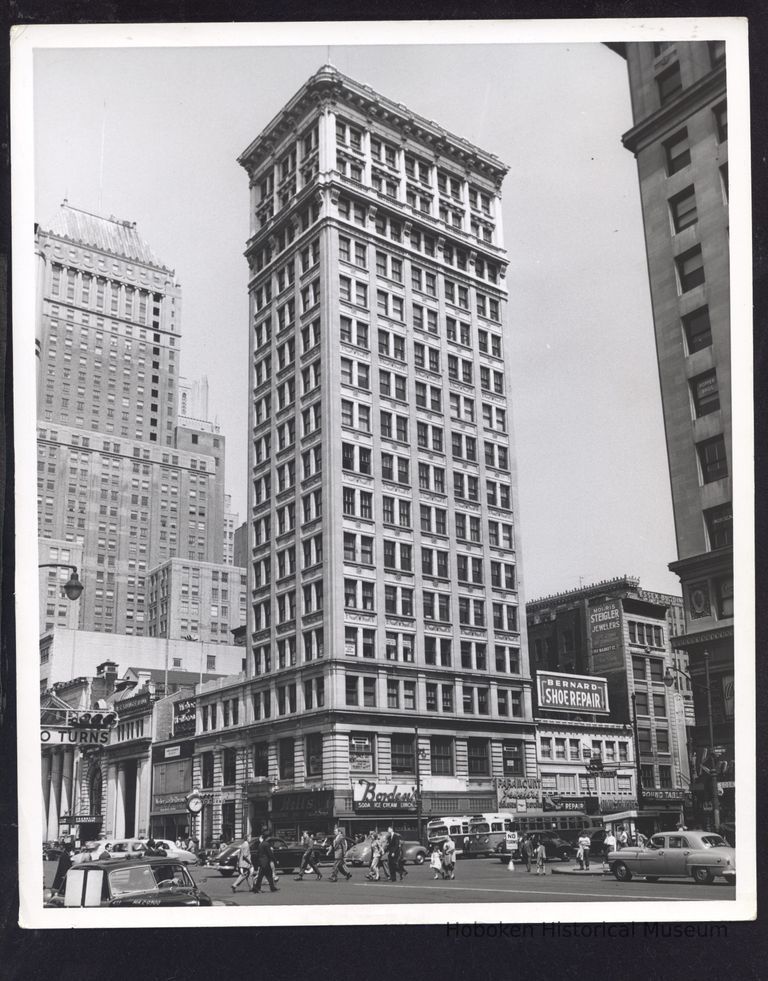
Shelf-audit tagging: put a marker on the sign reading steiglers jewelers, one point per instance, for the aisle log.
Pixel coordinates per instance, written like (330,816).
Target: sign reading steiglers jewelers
(572,693)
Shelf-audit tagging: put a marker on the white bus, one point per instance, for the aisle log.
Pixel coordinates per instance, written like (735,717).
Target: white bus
(438,829)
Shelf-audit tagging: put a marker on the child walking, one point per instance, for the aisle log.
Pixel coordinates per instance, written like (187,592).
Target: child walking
(541,856)
(436,863)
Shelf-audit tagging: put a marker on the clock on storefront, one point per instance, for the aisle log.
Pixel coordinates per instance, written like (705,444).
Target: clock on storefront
(194,803)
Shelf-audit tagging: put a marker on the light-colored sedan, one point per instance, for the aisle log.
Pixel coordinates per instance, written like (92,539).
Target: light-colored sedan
(699,854)
(182,855)
(360,854)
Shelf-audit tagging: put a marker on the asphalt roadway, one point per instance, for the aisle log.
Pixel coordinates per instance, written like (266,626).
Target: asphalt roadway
(477,881)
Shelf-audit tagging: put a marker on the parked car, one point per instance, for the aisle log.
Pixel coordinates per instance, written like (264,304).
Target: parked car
(360,854)
(178,854)
(554,845)
(700,854)
(129,882)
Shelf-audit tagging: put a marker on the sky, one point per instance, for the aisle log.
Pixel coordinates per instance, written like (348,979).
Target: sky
(152,135)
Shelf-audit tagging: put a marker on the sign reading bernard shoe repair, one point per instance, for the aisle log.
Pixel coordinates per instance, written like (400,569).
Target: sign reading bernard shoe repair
(369,795)
(572,693)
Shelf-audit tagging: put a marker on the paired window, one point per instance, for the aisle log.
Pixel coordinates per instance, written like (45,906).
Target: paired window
(712,459)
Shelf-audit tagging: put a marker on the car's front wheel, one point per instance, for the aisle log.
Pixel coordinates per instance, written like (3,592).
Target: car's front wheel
(622,873)
(564,855)
(651,878)
(227,872)
(702,876)
(419,858)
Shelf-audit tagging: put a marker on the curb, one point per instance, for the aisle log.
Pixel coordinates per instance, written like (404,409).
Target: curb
(581,872)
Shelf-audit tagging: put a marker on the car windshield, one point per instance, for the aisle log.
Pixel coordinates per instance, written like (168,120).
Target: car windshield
(145,878)
(714,841)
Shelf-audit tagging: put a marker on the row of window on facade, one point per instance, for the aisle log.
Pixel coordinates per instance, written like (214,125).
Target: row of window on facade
(364,749)
(562,748)
(115,298)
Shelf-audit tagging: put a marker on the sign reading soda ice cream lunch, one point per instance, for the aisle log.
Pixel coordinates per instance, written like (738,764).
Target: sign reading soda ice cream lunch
(572,693)
(369,795)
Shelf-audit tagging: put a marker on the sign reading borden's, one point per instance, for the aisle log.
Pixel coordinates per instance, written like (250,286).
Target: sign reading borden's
(369,795)
(572,693)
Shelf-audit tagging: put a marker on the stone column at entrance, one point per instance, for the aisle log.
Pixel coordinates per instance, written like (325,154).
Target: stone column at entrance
(67,798)
(52,831)
(45,778)
(120,803)
(141,811)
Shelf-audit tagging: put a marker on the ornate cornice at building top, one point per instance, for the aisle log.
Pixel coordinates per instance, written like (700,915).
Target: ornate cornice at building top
(605,586)
(690,641)
(688,101)
(328,88)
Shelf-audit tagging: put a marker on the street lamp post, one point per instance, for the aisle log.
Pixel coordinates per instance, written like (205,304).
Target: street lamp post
(669,680)
(73,588)
(420,754)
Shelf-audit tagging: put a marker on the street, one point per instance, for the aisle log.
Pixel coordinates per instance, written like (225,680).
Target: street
(477,881)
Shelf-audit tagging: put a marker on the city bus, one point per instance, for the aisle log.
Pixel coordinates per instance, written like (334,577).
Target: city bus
(438,829)
(566,824)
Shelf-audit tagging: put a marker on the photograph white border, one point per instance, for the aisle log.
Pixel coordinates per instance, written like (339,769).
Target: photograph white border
(25,41)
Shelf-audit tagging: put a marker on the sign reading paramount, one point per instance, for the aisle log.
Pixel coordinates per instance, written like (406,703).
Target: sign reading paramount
(513,791)
(368,795)
(572,693)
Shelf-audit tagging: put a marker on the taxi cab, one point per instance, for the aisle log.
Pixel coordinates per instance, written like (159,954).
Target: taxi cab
(131,882)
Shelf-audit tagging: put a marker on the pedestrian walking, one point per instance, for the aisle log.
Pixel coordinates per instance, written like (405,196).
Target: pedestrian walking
(65,864)
(338,849)
(377,856)
(622,838)
(436,862)
(310,859)
(244,864)
(585,843)
(609,845)
(265,860)
(541,857)
(526,852)
(394,855)
(449,858)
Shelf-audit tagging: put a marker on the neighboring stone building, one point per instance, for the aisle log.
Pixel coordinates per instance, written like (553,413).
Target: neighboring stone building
(196,600)
(120,480)
(680,140)
(615,630)
(67,654)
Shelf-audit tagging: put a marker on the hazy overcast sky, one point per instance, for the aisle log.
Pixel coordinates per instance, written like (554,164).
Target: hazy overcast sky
(593,480)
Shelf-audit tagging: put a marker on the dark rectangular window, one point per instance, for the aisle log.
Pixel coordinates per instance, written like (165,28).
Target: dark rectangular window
(206,769)
(641,702)
(677,151)
(683,209)
(512,757)
(705,394)
(719,521)
(261,760)
(721,121)
(716,52)
(285,756)
(477,758)
(229,767)
(669,83)
(403,755)
(644,740)
(662,740)
(314,754)
(690,269)
(698,331)
(714,465)
(441,752)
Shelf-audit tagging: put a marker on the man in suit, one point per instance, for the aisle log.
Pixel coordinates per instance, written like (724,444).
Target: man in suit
(264,860)
(395,854)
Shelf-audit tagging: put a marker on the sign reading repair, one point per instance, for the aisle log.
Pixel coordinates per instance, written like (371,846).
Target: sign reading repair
(572,693)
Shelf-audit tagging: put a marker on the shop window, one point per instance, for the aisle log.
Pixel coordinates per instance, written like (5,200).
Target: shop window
(361,753)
